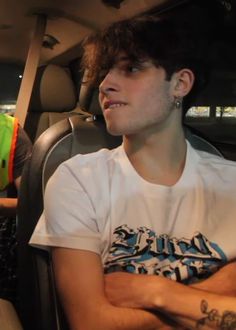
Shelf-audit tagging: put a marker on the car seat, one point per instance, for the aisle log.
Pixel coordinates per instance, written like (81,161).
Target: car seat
(39,307)
(53,98)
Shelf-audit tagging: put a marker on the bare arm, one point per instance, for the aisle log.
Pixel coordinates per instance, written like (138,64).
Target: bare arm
(221,282)
(180,302)
(80,283)
(8,205)
(196,309)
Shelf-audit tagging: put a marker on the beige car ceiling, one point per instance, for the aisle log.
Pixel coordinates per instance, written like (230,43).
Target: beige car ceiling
(68,21)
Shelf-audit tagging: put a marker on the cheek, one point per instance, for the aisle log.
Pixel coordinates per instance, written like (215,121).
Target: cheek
(158,99)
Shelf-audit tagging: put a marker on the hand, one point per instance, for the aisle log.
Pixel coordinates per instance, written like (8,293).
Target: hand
(139,291)
(132,290)
(122,289)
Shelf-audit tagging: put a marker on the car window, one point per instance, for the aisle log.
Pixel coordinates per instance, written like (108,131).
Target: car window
(11,75)
(202,112)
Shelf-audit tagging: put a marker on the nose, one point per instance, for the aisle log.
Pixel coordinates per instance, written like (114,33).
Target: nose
(109,83)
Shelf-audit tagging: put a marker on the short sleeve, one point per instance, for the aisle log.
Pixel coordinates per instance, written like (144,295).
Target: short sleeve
(69,217)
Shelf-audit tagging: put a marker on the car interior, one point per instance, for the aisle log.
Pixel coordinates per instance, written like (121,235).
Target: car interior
(63,116)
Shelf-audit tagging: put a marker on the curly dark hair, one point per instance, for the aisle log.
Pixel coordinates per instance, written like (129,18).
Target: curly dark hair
(168,43)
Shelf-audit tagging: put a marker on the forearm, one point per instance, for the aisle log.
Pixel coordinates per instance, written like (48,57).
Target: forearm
(190,308)
(179,302)
(104,316)
(84,300)
(8,206)
(196,309)
(216,293)
(134,319)
(221,282)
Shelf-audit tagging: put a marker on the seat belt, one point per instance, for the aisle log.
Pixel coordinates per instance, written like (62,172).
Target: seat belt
(30,69)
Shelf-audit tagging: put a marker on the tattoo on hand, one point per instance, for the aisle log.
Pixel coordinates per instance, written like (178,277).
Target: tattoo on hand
(226,321)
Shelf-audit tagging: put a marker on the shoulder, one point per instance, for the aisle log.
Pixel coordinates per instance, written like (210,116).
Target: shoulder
(216,165)
(96,162)
(215,160)
(84,178)
(88,170)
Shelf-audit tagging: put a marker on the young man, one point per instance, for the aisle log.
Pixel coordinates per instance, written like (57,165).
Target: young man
(15,149)
(152,212)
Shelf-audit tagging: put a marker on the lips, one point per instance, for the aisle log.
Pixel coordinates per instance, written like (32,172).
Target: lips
(113,104)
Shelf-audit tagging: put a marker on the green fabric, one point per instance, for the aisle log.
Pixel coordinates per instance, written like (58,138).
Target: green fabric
(6,135)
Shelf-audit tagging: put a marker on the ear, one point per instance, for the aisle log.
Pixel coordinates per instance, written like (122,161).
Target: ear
(182,82)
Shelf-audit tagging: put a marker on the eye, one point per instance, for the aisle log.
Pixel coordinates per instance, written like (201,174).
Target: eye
(132,68)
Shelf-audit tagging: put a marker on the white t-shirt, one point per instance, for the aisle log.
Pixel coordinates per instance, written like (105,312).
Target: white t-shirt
(98,202)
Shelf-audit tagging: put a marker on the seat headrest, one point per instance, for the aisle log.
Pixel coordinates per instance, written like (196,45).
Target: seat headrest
(53,90)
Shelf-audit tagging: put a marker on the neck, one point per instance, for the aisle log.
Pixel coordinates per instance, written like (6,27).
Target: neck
(159,157)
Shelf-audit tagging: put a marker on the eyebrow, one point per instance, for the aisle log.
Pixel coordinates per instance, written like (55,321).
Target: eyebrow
(123,59)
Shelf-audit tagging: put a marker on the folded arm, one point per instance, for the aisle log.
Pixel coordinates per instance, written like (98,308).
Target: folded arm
(80,282)
(221,282)
(204,304)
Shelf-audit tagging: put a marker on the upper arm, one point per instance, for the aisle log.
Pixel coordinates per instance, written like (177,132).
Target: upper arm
(71,226)
(80,283)
(22,152)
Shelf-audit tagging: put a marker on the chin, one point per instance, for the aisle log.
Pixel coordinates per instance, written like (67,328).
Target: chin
(120,130)
(114,131)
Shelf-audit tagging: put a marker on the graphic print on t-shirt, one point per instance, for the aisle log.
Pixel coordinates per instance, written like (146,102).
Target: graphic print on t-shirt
(142,251)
